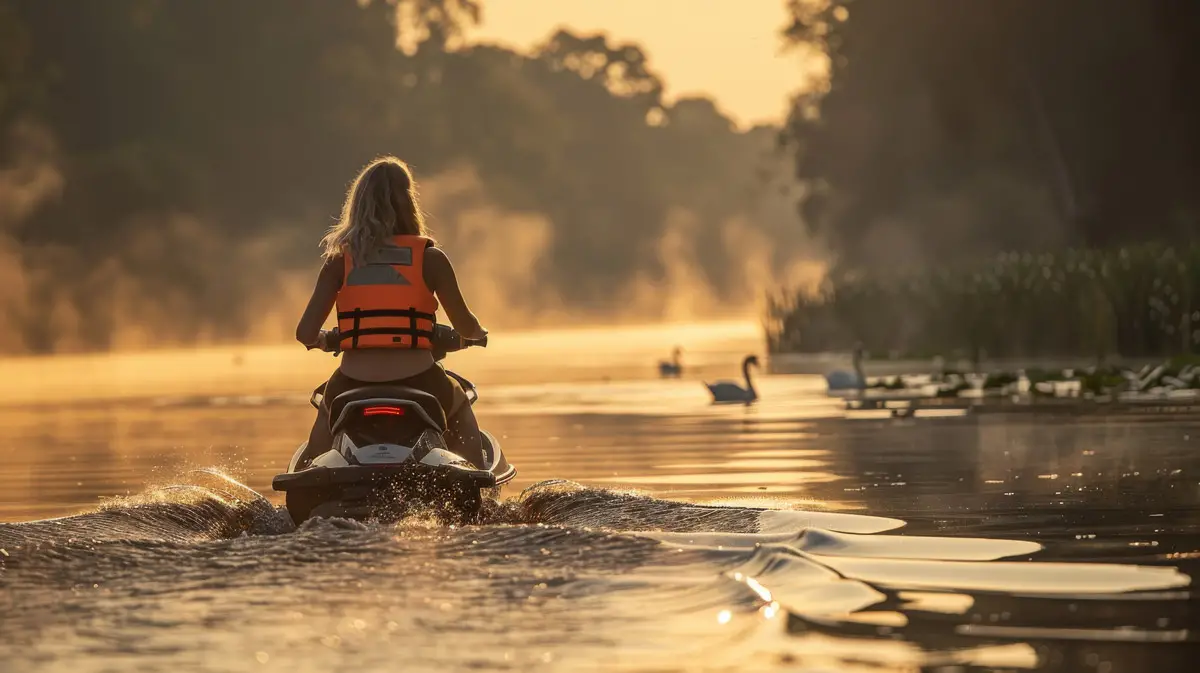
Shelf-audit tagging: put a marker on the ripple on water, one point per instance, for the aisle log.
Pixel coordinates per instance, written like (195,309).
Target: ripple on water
(182,577)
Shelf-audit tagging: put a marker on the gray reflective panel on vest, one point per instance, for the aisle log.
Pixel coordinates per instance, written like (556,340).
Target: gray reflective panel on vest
(391,254)
(375,274)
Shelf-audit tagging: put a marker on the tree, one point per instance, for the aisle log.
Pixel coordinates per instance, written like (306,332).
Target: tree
(952,128)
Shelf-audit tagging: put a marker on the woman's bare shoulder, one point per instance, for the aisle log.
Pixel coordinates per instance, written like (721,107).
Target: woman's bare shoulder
(333,268)
(437,258)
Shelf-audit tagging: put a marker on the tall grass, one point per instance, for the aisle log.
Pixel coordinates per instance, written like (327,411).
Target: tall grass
(1134,302)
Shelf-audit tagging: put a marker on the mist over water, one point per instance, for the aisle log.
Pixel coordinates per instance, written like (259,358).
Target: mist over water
(145,296)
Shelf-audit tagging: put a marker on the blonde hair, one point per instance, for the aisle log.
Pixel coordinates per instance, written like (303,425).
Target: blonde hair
(382,202)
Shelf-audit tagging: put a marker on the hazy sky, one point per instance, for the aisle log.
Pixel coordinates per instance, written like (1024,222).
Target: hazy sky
(726,49)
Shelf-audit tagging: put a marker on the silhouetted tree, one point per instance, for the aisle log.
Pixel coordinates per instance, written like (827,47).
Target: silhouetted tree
(969,127)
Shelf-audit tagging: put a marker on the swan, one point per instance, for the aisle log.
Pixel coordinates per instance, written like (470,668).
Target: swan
(845,381)
(842,381)
(672,367)
(858,365)
(728,391)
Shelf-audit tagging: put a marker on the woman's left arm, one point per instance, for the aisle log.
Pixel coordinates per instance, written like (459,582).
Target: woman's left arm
(324,296)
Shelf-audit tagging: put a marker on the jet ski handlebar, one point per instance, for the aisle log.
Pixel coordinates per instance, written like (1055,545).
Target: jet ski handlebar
(445,340)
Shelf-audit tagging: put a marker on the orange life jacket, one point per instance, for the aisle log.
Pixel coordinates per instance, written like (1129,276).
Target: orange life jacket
(385,303)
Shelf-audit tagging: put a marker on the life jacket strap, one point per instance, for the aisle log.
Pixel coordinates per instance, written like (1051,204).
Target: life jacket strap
(385,331)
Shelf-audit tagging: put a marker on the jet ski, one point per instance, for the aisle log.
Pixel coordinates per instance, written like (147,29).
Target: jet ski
(389,456)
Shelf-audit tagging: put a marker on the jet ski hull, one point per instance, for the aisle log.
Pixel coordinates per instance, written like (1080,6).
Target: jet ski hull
(385,492)
(452,491)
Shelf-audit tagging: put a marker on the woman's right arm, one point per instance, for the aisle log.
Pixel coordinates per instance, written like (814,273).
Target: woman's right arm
(440,278)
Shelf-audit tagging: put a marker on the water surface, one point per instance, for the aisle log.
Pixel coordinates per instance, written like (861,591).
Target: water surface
(648,530)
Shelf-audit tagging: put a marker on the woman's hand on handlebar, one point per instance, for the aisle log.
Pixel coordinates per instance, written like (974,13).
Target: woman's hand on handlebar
(328,340)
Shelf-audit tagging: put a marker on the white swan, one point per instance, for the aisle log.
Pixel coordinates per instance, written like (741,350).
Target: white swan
(728,391)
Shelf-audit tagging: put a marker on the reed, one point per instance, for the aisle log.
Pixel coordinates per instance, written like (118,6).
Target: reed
(1138,301)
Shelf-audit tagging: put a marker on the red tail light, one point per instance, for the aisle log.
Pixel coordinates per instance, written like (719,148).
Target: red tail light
(383,411)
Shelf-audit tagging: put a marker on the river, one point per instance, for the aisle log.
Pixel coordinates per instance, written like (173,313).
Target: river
(647,530)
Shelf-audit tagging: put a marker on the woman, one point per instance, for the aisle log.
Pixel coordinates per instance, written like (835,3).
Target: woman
(386,276)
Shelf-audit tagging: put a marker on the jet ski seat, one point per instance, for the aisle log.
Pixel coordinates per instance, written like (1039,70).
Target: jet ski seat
(427,402)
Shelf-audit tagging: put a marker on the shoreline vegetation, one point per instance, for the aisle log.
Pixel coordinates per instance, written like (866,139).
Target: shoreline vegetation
(1109,308)
(1136,302)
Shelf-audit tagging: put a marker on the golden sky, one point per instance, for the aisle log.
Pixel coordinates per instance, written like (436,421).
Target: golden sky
(726,49)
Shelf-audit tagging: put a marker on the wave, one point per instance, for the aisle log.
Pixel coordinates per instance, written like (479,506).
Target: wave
(207,505)
(566,503)
(608,566)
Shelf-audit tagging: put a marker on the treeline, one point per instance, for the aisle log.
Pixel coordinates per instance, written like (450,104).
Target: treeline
(167,167)
(951,128)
